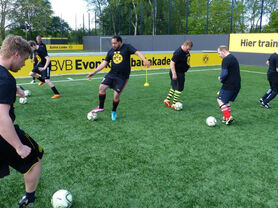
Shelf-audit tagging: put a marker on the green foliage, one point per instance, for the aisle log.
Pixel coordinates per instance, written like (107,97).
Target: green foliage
(152,156)
(273,23)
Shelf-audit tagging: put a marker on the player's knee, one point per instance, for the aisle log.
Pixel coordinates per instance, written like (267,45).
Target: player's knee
(31,74)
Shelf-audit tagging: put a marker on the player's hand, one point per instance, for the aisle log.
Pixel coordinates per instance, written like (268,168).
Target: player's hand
(20,92)
(147,63)
(219,78)
(41,68)
(90,76)
(174,76)
(23,151)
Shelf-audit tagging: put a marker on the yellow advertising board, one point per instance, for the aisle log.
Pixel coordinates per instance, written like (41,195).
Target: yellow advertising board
(85,64)
(64,47)
(254,42)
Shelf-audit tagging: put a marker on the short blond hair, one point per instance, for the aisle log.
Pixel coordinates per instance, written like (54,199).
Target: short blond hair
(13,44)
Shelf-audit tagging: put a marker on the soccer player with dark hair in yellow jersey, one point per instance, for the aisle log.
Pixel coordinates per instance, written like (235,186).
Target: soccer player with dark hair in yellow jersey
(179,65)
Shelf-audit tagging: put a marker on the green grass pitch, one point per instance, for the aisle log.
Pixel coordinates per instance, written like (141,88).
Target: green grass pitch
(152,156)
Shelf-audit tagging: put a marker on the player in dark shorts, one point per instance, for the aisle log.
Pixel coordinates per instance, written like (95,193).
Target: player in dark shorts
(33,56)
(231,83)
(118,76)
(179,65)
(272,76)
(17,149)
(43,68)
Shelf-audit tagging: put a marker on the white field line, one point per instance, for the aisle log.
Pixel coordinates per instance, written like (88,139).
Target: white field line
(149,74)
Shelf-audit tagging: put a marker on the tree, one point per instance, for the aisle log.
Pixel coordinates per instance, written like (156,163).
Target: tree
(6,8)
(30,15)
(273,23)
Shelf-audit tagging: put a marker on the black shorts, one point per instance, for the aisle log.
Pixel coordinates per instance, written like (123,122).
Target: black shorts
(114,82)
(227,95)
(178,84)
(9,156)
(273,81)
(45,74)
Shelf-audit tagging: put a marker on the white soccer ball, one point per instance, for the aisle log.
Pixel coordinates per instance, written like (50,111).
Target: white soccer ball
(23,100)
(178,106)
(27,92)
(211,121)
(92,116)
(61,199)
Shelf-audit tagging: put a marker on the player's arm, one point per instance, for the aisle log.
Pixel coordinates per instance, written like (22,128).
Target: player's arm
(146,62)
(99,68)
(173,70)
(7,131)
(46,63)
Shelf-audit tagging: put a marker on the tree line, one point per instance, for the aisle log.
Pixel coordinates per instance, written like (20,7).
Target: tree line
(30,18)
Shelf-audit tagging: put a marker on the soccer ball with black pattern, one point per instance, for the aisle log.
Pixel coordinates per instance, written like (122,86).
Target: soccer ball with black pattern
(61,199)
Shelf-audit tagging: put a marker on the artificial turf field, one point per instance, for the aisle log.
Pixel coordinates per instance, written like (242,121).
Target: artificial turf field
(152,156)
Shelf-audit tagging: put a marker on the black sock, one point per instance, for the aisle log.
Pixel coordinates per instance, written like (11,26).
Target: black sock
(270,97)
(41,79)
(267,93)
(101,100)
(30,196)
(21,87)
(115,105)
(34,78)
(55,90)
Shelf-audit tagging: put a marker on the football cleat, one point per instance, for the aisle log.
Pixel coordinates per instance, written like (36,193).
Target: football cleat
(261,100)
(224,119)
(173,106)
(114,116)
(229,120)
(56,96)
(41,83)
(265,105)
(97,110)
(33,81)
(167,103)
(24,202)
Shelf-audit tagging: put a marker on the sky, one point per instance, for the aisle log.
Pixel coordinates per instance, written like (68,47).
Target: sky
(72,12)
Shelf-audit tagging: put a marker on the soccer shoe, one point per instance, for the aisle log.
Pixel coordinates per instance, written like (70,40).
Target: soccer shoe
(33,81)
(229,120)
(173,106)
(56,96)
(24,202)
(41,83)
(97,110)
(265,105)
(167,103)
(114,116)
(261,100)
(224,119)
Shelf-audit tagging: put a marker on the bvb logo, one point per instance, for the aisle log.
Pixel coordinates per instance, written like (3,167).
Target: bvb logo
(117,58)
(205,58)
(38,58)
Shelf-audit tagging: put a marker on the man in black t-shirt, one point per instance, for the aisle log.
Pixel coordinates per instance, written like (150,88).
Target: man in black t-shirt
(33,56)
(272,76)
(17,149)
(231,83)
(178,66)
(117,77)
(43,68)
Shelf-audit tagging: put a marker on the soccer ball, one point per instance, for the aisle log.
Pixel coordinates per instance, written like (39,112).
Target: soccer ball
(92,116)
(178,106)
(61,199)
(211,121)
(23,100)
(27,92)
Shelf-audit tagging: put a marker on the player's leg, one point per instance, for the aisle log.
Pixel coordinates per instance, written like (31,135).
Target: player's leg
(101,97)
(171,92)
(30,166)
(118,86)
(273,81)
(180,87)
(223,101)
(53,88)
